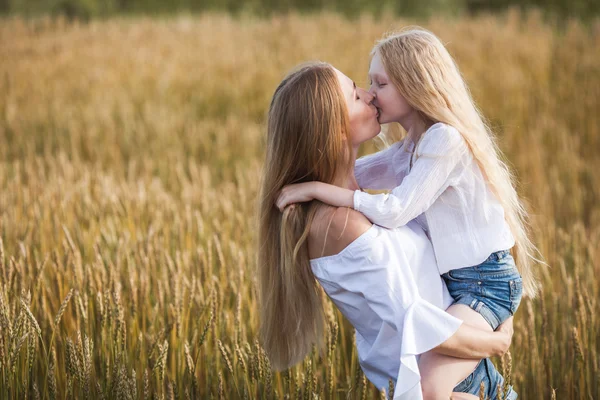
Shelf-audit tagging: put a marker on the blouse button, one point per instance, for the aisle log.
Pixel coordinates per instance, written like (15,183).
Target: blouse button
(479,283)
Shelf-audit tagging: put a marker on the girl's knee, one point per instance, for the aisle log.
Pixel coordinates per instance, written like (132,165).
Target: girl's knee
(435,394)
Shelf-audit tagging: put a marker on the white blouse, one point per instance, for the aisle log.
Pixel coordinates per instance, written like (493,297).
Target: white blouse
(444,190)
(387,285)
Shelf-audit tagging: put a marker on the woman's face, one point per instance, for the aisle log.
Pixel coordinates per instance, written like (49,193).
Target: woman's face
(361,112)
(392,106)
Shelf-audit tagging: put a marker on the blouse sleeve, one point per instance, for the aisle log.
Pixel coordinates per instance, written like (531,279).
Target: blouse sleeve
(439,153)
(381,274)
(377,171)
(391,292)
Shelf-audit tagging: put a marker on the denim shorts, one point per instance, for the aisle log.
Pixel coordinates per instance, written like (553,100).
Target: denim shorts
(492,288)
(485,372)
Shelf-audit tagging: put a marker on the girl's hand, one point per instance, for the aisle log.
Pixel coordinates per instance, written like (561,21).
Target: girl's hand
(295,193)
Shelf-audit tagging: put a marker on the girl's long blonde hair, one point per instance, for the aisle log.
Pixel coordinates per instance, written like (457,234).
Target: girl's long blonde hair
(423,71)
(306,141)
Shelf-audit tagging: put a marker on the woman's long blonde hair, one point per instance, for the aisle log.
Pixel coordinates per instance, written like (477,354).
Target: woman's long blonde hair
(423,71)
(306,141)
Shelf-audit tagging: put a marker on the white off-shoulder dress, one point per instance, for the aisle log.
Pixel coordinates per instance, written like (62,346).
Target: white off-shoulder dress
(387,284)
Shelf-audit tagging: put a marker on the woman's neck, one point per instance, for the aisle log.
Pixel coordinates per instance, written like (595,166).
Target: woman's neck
(350,181)
(414,126)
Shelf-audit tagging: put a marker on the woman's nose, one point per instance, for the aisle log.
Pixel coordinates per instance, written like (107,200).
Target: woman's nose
(368,97)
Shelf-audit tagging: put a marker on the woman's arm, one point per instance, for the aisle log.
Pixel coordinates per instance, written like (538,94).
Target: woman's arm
(382,274)
(473,343)
(379,271)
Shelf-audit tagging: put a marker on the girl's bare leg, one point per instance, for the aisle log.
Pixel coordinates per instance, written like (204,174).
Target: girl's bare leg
(441,373)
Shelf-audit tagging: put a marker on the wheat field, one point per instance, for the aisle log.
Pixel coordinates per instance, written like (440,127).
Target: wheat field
(130,155)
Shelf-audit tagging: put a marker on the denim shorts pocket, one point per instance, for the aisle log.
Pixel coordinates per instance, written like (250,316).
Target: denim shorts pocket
(516,292)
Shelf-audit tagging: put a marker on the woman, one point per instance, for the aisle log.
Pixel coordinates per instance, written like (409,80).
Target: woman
(385,282)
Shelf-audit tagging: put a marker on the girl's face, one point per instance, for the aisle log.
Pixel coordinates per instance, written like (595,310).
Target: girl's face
(361,112)
(392,106)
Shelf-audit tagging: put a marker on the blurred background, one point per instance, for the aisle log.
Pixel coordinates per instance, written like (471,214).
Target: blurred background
(131,145)
(415,8)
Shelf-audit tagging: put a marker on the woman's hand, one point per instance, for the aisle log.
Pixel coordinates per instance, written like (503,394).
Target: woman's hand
(474,343)
(295,193)
(505,329)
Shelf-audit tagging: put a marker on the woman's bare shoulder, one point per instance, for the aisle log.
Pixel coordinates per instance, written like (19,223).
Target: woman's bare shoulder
(333,229)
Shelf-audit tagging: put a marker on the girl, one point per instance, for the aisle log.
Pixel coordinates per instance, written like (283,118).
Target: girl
(448,177)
